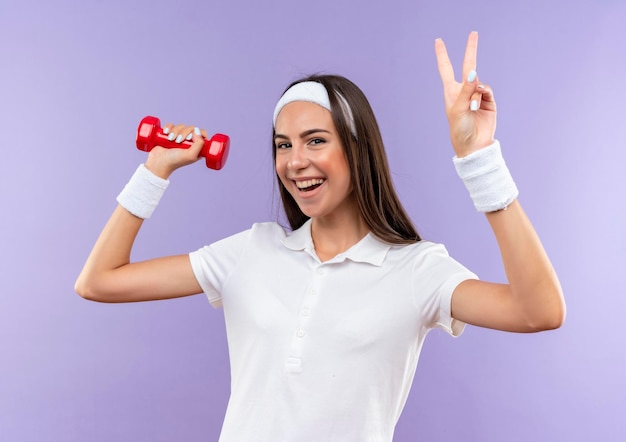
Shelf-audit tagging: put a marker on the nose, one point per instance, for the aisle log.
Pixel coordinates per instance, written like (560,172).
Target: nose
(298,158)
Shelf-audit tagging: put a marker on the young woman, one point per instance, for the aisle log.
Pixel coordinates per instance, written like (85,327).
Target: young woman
(325,321)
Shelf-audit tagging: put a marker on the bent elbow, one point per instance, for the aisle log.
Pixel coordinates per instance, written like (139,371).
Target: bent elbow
(553,317)
(86,290)
(83,290)
(550,323)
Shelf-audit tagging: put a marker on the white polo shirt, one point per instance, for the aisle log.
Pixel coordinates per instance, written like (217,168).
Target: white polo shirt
(323,351)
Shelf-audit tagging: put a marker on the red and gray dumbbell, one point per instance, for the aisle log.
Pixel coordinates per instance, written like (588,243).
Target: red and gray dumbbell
(150,134)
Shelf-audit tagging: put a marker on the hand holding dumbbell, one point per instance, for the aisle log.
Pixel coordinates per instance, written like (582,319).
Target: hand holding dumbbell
(150,134)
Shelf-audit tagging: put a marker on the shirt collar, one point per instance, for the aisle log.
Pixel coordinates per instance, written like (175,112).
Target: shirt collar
(370,249)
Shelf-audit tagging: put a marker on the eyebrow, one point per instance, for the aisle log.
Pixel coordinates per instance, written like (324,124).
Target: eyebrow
(304,134)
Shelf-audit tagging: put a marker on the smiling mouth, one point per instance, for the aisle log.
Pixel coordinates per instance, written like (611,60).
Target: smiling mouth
(308,185)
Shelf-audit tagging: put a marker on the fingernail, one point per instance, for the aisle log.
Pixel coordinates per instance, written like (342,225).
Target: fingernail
(481,86)
(474,105)
(197,131)
(471,77)
(189,137)
(170,137)
(166,130)
(179,138)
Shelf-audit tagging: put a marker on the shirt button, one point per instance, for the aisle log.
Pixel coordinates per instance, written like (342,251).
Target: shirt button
(300,333)
(306,311)
(321,271)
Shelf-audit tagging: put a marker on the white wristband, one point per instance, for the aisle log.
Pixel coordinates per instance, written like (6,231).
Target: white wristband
(142,193)
(487,178)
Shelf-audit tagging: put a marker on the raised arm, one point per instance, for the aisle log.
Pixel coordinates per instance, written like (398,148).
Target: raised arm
(532,299)
(108,275)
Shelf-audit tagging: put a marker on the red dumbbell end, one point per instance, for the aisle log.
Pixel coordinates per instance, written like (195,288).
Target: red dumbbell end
(148,127)
(216,151)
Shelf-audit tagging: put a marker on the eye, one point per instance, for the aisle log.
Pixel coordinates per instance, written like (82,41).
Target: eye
(317,141)
(283,146)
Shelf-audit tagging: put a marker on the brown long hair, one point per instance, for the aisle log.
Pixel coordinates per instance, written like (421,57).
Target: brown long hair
(378,202)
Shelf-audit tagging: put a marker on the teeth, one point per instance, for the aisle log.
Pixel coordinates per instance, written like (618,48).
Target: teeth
(308,183)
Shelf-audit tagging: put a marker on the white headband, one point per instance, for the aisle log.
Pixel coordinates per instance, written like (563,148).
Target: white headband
(313,92)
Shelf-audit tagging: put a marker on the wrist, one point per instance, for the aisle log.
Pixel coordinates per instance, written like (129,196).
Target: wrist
(487,178)
(157,169)
(142,193)
(467,150)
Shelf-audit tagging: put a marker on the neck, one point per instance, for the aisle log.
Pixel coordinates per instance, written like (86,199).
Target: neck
(334,235)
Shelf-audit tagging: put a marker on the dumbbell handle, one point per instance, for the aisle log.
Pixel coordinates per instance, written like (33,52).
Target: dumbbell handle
(150,134)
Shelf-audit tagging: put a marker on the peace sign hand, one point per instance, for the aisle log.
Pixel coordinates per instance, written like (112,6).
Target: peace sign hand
(470,105)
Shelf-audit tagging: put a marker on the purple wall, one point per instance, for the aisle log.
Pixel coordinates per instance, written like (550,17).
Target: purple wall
(76,77)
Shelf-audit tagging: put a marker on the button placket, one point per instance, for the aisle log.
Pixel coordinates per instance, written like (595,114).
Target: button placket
(305,313)
(309,301)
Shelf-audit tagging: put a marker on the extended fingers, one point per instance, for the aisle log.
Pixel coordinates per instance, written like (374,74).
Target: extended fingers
(446,70)
(471,51)
(443,62)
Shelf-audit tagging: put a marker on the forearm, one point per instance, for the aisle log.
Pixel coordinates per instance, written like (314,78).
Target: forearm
(111,251)
(533,284)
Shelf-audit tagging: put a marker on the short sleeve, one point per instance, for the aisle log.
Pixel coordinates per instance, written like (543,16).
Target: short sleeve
(213,264)
(445,321)
(436,275)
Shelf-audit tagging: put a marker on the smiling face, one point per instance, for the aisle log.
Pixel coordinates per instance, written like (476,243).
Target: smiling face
(311,163)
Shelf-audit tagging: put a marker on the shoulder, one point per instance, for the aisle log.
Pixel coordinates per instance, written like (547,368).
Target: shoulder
(265,233)
(267,230)
(419,250)
(265,236)
(424,259)
(258,233)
